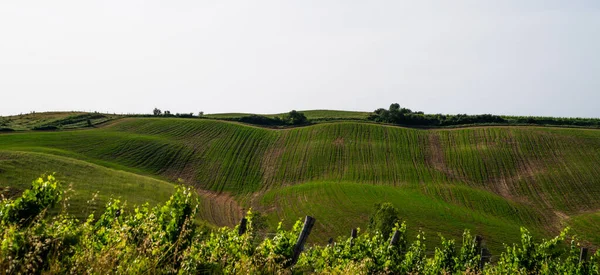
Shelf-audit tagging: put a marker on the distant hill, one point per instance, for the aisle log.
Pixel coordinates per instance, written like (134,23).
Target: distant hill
(53,121)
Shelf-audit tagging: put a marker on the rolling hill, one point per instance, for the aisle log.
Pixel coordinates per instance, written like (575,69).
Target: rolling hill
(489,179)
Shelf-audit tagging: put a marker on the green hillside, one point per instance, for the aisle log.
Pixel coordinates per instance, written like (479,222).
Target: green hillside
(86,181)
(53,121)
(490,179)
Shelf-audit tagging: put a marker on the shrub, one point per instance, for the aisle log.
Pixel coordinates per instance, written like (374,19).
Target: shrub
(384,218)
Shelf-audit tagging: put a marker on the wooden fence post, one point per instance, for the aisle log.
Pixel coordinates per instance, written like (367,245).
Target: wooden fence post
(308,224)
(482,251)
(583,255)
(353,235)
(395,238)
(242,228)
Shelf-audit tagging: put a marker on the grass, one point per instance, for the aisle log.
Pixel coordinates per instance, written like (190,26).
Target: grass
(587,227)
(532,176)
(338,207)
(18,169)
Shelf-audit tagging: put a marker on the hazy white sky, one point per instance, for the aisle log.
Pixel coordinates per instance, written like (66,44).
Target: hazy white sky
(517,57)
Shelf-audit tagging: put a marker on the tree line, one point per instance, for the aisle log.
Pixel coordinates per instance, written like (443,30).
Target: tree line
(404,116)
(292,118)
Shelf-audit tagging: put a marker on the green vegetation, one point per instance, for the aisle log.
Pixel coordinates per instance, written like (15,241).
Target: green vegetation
(404,116)
(341,206)
(386,215)
(166,239)
(586,226)
(491,180)
(86,180)
(293,118)
(53,121)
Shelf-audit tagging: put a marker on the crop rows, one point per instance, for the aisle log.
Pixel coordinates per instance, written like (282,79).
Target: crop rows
(529,175)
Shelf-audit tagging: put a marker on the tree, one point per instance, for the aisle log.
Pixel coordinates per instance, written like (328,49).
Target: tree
(384,219)
(167,113)
(200,113)
(296,118)
(157,112)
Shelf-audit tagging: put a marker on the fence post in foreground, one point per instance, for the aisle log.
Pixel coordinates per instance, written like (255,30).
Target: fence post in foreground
(478,240)
(482,251)
(242,228)
(583,255)
(395,238)
(353,235)
(308,224)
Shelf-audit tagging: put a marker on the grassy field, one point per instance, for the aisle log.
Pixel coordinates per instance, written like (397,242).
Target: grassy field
(490,179)
(62,120)
(338,207)
(587,227)
(18,169)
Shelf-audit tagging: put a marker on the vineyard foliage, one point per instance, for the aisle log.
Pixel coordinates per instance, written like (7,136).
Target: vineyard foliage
(166,239)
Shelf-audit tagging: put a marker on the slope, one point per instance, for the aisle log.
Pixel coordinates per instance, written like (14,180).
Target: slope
(550,173)
(85,180)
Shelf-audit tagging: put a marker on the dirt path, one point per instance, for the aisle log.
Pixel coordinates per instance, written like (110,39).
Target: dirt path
(220,209)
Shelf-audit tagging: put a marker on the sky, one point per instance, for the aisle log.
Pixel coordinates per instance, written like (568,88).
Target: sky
(506,57)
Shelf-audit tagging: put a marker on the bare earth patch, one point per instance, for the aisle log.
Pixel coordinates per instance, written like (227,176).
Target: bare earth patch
(220,209)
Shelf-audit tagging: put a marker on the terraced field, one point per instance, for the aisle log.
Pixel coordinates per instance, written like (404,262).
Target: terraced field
(490,179)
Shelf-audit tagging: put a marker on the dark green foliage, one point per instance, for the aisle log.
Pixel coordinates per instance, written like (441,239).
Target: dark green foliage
(188,115)
(403,116)
(157,112)
(295,118)
(261,120)
(45,128)
(6,129)
(384,219)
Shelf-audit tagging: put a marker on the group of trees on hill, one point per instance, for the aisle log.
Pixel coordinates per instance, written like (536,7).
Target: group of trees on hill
(404,116)
(292,118)
(398,115)
(167,113)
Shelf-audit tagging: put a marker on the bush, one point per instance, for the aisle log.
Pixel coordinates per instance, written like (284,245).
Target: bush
(45,128)
(44,193)
(384,219)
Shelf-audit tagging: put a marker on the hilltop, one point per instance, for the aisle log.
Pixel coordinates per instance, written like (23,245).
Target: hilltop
(489,179)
